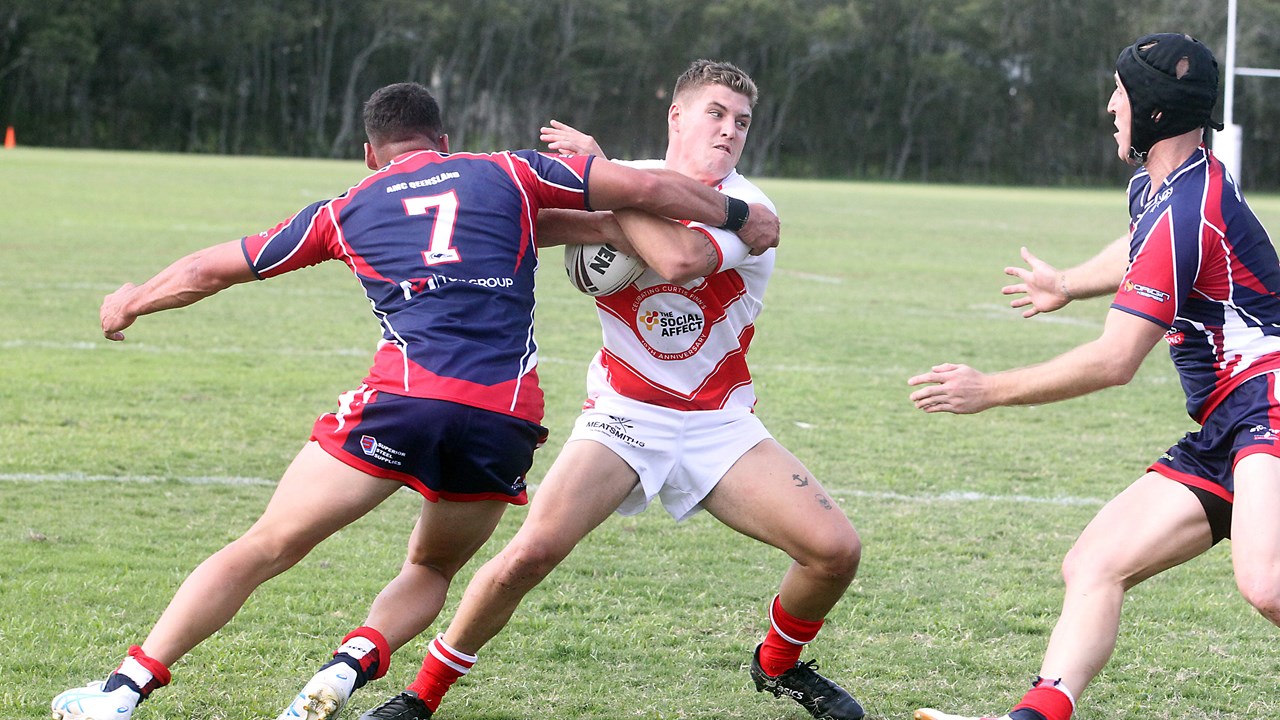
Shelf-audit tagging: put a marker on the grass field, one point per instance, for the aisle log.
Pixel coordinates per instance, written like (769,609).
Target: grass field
(123,465)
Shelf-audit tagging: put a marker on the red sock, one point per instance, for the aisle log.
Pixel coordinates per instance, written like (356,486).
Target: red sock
(139,671)
(440,668)
(787,636)
(1049,698)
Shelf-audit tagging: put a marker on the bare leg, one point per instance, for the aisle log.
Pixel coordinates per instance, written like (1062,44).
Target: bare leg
(445,537)
(317,496)
(1255,533)
(584,486)
(770,496)
(1155,524)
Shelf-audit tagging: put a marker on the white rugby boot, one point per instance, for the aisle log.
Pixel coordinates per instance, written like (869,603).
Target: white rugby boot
(91,703)
(323,696)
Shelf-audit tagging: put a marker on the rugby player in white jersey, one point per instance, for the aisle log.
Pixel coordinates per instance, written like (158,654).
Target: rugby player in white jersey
(668,415)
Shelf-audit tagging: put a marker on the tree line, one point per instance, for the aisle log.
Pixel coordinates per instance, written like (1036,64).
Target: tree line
(982,91)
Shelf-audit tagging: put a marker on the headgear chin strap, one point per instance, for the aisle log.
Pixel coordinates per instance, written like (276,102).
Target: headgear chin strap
(1162,104)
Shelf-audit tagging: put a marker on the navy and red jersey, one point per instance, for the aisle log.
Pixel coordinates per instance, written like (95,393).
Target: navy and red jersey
(1202,266)
(444,247)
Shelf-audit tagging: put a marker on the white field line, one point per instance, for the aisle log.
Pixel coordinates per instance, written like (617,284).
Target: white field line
(991,311)
(131,479)
(107,346)
(967,497)
(929,498)
(812,277)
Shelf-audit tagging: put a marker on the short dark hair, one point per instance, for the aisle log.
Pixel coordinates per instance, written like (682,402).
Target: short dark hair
(708,72)
(403,111)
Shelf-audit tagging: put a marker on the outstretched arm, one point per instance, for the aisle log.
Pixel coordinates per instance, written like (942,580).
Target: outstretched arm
(1110,360)
(1044,288)
(188,280)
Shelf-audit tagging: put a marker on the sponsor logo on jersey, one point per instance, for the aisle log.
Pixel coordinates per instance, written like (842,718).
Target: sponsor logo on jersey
(413,286)
(616,427)
(1149,293)
(1175,337)
(370,446)
(1262,432)
(670,322)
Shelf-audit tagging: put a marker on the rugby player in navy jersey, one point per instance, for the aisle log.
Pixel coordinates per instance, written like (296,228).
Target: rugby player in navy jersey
(444,247)
(1198,270)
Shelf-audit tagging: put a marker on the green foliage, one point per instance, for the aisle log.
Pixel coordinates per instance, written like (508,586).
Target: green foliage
(985,91)
(122,466)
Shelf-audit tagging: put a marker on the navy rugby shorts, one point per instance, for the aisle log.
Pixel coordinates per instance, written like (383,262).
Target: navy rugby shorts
(1246,422)
(442,449)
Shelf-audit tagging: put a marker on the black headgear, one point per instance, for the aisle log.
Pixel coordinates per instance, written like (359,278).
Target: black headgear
(1162,104)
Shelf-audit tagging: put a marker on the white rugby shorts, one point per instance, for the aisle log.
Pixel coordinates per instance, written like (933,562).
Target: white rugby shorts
(679,455)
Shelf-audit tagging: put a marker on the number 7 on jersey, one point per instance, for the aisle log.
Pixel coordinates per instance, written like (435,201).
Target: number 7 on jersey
(440,249)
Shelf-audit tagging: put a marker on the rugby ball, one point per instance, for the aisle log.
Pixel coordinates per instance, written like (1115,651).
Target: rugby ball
(601,269)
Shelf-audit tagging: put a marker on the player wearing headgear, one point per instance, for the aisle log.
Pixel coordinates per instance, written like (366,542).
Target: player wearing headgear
(1197,269)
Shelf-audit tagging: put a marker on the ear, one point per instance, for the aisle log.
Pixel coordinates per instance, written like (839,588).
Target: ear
(443,145)
(370,158)
(673,118)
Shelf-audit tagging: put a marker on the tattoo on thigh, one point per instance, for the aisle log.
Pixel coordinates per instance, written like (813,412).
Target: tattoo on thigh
(801,481)
(824,502)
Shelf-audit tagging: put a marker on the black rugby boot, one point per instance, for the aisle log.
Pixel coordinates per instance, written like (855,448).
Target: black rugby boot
(405,706)
(823,699)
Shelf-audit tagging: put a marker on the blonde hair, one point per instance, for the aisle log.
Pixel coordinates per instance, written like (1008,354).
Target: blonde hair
(707,72)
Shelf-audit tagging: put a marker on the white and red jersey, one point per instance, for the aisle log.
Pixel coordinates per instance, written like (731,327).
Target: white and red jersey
(685,347)
(1202,266)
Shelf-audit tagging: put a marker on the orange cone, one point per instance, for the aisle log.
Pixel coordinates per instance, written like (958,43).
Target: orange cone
(10,141)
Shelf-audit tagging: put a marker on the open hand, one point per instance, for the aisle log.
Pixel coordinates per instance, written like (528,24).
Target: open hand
(950,388)
(1041,286)
(569,141)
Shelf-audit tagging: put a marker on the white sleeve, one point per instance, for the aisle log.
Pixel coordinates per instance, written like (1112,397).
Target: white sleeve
(732,250)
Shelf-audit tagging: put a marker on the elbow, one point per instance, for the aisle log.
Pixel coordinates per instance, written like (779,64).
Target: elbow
(205,277)
(201,278)
(678,269)
(1117,371)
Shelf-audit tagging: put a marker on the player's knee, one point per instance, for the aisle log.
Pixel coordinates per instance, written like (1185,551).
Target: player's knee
(1262,590)
(524,564)
(837,555)
(1084,568)
(269,553)
(427,562)
(1079,567)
